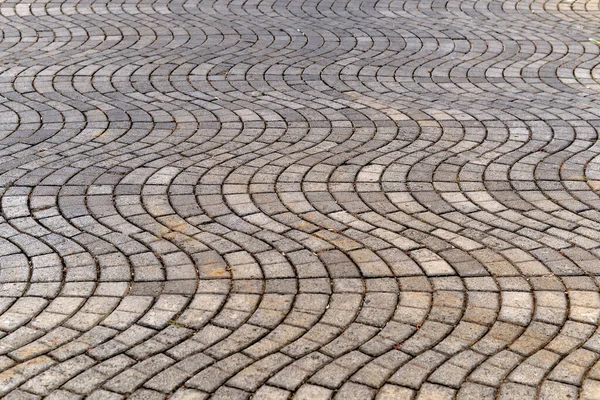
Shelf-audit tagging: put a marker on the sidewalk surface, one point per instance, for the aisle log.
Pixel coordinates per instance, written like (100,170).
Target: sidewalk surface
(267,199)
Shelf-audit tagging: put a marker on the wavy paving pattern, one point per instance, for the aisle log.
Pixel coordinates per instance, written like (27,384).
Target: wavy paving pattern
(347,199)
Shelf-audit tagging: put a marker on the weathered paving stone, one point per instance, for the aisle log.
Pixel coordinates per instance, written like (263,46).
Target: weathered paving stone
(299,199)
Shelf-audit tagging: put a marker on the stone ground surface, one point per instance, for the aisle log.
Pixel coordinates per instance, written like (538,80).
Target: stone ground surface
(274,198)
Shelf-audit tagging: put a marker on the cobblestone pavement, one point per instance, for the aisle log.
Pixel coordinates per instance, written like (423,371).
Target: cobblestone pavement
(392,199)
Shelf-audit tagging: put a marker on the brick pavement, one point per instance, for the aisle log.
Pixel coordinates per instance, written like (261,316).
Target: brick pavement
(392,199)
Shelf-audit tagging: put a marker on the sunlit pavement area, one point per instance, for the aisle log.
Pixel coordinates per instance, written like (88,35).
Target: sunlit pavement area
(268,199)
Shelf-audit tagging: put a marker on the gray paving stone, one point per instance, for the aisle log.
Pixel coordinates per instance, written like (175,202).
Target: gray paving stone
(299,199)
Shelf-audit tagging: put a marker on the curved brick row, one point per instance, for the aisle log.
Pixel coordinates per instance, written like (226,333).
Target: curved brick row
(277,199)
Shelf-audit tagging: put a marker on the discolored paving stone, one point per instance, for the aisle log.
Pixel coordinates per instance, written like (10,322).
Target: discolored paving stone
(299,199)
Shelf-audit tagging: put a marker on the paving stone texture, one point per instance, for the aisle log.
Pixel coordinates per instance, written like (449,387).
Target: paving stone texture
(267,199)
